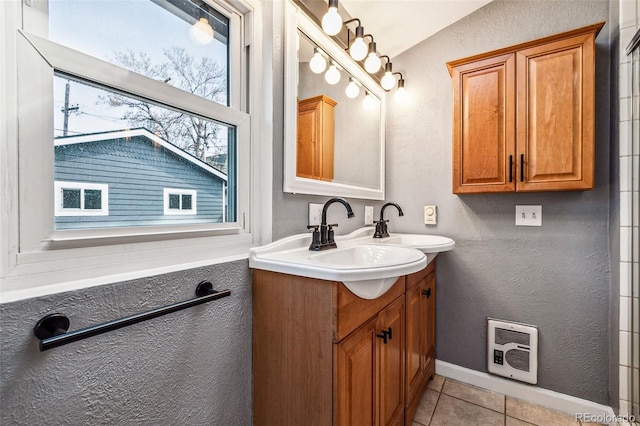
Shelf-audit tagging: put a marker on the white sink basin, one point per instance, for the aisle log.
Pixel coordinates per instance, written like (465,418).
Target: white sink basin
(423,242)
(367,266)
(365,256)
(367,270)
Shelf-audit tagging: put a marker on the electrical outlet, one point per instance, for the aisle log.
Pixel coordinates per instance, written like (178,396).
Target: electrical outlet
(528,215)
(315,213)
(430,215)
(368,215)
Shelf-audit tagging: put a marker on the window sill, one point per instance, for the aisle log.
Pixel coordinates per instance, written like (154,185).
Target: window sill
(33,278)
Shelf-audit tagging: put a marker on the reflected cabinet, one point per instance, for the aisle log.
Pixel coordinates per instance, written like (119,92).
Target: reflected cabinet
(523,116)
(315,137)
(323,356)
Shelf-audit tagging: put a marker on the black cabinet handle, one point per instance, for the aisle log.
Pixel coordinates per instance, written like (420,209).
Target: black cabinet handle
(386,335)
(427,292)
(521,167)
(511,168)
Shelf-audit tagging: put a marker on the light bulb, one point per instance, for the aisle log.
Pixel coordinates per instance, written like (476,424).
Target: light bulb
(353,90)
(332,76)
(201,32)
(401,95)
(317,63)
(358,49)
(372,64)
(368,102)
(332,21)
(388,81)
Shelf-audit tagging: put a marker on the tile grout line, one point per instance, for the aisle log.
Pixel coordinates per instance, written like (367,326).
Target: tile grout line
(437,401)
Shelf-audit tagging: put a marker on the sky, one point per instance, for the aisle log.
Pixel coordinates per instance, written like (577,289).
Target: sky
(102,27)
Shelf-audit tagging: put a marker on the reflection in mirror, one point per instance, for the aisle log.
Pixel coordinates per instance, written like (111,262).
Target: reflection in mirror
(334,117)
(337,135)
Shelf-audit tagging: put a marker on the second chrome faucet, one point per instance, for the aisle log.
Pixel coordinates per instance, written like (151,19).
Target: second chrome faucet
(323,237)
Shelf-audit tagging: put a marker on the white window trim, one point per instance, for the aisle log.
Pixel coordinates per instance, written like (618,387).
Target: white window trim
(63,261)
(59,210)
(180,192)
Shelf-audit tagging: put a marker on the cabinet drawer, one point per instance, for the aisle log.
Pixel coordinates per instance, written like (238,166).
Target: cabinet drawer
(352,311)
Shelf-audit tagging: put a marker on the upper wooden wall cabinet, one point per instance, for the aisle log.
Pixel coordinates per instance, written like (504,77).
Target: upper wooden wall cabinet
(523,116)
(316,128)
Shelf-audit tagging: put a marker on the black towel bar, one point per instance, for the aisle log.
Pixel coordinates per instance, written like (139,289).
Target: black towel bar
(52,329)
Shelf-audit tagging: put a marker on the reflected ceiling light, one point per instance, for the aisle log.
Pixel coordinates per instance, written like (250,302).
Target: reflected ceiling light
(369,102)
(332,21)
(353,90)
(372,64)
(332,76)
(401,93)
(317,63)
(388,81)
(358,49)
(201,32)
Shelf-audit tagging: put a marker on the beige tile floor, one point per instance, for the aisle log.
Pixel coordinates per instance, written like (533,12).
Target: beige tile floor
(449,402)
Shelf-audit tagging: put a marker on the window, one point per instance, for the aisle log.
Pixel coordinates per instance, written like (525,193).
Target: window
(81,199)
(127,94)
(180,201)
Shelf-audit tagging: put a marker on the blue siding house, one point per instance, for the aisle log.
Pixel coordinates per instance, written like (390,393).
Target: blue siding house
(133,178)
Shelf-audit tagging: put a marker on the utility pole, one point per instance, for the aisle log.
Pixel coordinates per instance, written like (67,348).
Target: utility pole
(66,110)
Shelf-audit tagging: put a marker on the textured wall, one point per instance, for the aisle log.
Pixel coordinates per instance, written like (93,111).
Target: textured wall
(191,367)
(556,277)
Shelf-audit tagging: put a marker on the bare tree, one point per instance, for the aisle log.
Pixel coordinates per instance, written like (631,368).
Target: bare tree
(204,78)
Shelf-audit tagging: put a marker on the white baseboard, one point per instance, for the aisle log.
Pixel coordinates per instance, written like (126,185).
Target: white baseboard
(530,393)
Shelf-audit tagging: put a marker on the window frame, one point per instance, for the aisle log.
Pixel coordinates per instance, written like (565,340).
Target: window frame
(180,192)
(61,211)
(35,259)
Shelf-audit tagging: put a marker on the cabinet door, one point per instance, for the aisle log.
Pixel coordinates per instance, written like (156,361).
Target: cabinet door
(415,341)
(391,364)
(484,125)
(555,110)
(355,377)
(428,313)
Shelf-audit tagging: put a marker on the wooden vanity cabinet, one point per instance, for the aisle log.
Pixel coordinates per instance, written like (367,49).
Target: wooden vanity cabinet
(315,138)
(523,116)
(320,357)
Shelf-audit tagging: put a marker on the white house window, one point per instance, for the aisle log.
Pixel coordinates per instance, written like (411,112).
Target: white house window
(128,94)
(180,201)
(81,199)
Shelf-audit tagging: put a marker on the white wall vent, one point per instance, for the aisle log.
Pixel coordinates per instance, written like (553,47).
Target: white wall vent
(512,350)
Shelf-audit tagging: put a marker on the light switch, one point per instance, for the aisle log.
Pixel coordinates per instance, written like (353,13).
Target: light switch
(528,215)
(430,215)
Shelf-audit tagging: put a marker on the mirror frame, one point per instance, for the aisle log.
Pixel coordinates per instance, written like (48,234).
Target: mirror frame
(296,19)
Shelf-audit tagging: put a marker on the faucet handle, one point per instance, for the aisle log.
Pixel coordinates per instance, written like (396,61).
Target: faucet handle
(315,238)
(330,239)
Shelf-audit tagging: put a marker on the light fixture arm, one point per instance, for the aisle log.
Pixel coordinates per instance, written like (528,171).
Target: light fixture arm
(387,58)
(400,81)
(352,20)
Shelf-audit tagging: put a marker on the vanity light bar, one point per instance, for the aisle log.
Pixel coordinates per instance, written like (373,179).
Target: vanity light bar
(331,25)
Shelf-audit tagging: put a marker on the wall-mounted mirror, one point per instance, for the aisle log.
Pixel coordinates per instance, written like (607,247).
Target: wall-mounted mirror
(334,138)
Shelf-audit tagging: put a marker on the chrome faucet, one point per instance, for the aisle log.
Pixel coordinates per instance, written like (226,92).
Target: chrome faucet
(323,238)
(381,225)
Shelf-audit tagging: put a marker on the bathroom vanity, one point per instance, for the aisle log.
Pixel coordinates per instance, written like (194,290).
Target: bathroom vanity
(322,355)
